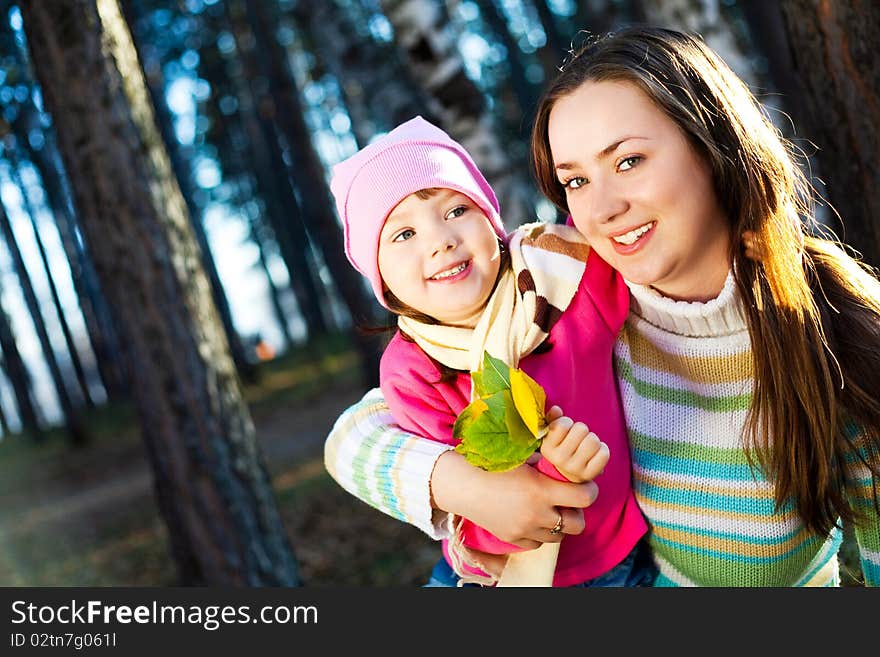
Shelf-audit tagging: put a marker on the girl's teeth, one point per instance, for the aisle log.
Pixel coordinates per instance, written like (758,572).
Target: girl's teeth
(633,235)
(450,272)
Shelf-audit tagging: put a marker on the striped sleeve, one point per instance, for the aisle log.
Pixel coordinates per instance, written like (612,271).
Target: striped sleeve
(863,491)
(374,460)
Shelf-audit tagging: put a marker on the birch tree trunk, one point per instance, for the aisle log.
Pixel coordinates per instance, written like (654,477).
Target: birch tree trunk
(707,18)
(422,30)
(379,92)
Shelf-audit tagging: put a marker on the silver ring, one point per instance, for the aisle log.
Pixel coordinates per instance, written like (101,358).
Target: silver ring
(557,528)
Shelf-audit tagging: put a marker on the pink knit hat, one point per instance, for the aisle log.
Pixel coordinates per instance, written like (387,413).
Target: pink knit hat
(367,186)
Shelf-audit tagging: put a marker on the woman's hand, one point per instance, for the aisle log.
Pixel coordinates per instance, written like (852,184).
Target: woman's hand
(519,506)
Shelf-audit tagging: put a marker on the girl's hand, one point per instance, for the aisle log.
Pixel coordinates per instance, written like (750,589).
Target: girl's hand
(573,449)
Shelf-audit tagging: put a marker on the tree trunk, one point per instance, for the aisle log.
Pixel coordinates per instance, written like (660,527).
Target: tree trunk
(711,20)
(156,86)
(236,348)
(769,38)
(273,184)
(309,174)
(71,418)
(72,351)
(257,237)
(210,480)
(101,332)
(835,54)
(421,28)
(286,221)
(589,19)
(557,46)
(524,91)
(378,90)
(43,154)
(19,378)
(4,423)
(598,16)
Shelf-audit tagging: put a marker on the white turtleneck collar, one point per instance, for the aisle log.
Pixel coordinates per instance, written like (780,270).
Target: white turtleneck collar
(718,317)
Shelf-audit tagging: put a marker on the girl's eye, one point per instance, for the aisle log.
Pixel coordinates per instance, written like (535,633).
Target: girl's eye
(404,235)
(456,212)
(574,183)
(628,163)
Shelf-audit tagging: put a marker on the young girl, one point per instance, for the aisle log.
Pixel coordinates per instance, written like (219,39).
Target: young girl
(421,224)
(750,388)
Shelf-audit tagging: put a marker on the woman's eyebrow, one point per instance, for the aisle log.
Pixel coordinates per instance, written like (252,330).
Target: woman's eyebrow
(601,155)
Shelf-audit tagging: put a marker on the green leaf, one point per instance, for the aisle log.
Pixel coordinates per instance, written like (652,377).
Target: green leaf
(466,418)
(491,378)
(494,438)
(505,424)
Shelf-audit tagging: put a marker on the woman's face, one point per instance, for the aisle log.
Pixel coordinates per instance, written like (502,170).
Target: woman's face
(638,191)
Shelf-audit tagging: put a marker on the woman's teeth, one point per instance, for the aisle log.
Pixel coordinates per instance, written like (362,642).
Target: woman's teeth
(633,235)
(450,272)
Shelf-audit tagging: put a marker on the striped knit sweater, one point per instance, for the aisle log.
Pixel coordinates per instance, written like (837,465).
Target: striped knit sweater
(685,377)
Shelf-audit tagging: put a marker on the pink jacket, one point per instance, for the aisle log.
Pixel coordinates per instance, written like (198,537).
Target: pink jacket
(577,375)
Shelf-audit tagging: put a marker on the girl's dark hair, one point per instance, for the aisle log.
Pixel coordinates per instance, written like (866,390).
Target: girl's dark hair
(813,311)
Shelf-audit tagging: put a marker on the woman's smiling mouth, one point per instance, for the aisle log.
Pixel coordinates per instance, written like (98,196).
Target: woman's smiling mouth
(632,240)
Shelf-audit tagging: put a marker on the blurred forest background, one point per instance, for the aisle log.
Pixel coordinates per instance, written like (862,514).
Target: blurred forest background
(177,320)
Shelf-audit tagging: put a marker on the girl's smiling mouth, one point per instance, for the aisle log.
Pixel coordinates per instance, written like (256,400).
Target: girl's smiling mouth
(454,273)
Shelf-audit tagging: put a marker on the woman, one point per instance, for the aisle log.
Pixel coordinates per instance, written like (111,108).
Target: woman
(750,387)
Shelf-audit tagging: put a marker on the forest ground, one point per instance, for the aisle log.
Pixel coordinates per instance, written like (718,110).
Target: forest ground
(88,517)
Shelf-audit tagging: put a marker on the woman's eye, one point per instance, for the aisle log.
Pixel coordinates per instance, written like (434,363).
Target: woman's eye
(403,235)
(575,183)
(629,162)
(456,212)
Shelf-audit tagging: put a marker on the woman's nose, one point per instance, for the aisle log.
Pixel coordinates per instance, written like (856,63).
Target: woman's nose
(606,203)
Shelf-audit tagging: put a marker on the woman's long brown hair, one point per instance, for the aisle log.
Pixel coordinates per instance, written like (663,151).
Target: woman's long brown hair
(813,311)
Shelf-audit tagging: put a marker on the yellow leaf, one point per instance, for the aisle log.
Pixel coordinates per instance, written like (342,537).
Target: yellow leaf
(467,417)
(529,398)
(478,407)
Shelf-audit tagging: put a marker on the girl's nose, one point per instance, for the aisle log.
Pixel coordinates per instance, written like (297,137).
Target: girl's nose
(444,241)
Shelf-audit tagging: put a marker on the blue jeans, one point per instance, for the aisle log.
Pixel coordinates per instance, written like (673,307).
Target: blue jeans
(636,570)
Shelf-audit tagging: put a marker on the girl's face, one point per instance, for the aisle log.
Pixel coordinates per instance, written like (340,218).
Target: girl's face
(440,256)
(638,191)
